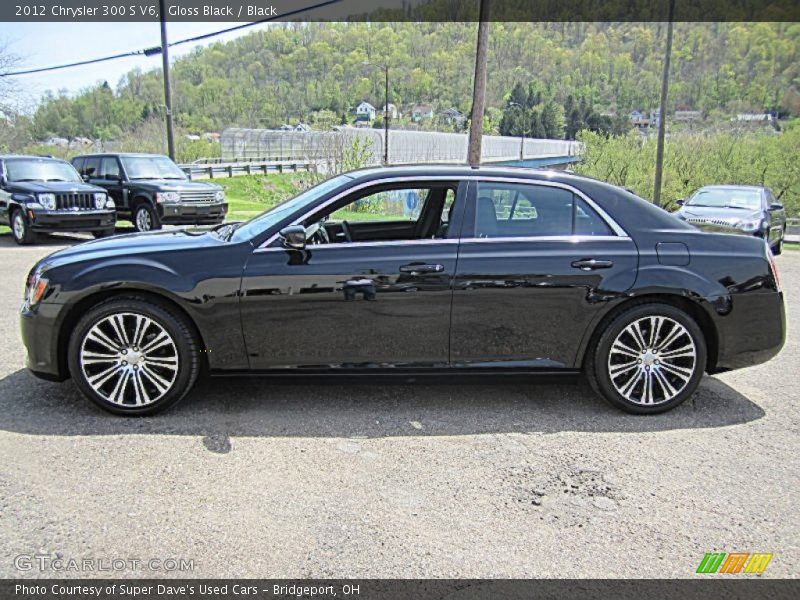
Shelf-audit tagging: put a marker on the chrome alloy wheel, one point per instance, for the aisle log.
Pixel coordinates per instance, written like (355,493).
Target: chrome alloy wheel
(19,225)
(143,220)
(129,359)
(652,360)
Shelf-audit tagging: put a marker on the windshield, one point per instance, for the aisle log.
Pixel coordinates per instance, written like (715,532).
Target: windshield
(279,212)
(40,169)
(727,198)
(151,167)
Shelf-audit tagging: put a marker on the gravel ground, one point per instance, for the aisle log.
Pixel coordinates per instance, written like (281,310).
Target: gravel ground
(250,479)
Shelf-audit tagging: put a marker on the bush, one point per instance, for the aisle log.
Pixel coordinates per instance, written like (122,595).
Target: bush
(692,161)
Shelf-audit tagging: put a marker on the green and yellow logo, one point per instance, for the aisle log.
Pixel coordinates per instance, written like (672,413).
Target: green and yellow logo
(734,562)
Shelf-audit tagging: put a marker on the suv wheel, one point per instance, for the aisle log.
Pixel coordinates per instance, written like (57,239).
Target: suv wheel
(778,247)
(133,357)
(20,229)
(145,217)
(649,359)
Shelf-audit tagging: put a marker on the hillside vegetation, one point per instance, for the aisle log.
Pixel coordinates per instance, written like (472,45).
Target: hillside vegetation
(315,72)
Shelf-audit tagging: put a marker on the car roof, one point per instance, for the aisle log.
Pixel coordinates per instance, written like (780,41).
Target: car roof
(732,187)
(102,154)
(457,170)
(34,156)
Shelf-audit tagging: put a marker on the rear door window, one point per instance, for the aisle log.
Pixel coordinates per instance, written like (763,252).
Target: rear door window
(504,210)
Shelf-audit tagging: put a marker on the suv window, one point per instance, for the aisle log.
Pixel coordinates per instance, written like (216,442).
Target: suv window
(529,210)
(109,168)
(91,167)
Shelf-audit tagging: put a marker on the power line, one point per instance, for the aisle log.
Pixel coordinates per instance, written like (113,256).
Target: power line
(157,49)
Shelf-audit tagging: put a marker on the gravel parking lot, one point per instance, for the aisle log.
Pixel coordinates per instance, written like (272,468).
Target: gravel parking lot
(251,479)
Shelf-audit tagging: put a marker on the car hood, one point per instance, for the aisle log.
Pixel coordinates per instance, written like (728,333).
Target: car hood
(55,187)
(132,244)
(174,185)
(719,213)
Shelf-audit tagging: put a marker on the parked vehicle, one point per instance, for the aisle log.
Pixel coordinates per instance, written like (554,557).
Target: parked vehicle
(40,194)
(150,190)
(495,271)
(748,209)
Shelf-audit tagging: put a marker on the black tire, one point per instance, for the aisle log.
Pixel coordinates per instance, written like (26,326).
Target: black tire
(598,361)
(20,228)
(183,342)
(778,248)
(103,233)
(145,217)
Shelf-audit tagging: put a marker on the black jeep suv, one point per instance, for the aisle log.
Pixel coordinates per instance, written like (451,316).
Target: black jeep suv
(42,194)
(150,189)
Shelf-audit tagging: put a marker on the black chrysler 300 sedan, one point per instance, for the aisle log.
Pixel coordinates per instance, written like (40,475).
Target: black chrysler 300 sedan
(410,270)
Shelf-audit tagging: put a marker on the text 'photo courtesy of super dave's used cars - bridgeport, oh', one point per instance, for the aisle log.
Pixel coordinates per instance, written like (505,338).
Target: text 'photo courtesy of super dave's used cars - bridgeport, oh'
(494,271)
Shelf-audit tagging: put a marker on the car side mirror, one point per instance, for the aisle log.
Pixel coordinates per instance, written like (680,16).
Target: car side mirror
(680,201)
(776,206)
(85,177)
(2,180)
(293,237)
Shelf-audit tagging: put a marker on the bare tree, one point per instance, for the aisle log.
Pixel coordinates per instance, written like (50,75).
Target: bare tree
(8,87)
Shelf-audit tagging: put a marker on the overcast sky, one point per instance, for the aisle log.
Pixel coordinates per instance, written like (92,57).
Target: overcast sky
(45,44)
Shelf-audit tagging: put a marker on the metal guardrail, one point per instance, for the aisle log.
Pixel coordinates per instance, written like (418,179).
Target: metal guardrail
(212,168)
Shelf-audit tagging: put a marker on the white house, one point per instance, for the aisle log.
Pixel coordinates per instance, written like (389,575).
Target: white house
(393,112)
(365,112)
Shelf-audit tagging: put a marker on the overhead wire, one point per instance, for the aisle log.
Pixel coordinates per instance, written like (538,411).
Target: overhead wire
(157,49)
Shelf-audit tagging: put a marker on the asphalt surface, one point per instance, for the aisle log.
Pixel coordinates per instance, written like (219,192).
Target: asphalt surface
(252,479)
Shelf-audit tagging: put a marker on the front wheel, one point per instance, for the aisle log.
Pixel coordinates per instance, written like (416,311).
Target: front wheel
(778,247)
(131,356)
(649,359)
(145,218)
(20,230)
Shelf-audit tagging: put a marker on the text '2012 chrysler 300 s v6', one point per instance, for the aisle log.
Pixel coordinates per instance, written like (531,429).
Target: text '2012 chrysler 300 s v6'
(409,270)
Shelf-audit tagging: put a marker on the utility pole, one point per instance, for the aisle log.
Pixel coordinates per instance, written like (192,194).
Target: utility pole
(479,88)
(662,115)
(386,118)
(167,87)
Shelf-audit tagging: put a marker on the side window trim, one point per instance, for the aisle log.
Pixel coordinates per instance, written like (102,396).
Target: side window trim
(469,185)
(269,244)
(618,233)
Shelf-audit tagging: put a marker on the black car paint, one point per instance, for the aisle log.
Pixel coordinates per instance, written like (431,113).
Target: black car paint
(127,192)
(513,305)
(22,195)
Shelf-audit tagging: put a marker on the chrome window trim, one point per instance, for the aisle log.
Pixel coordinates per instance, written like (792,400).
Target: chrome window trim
(549,238)
(615,227)
(315,247)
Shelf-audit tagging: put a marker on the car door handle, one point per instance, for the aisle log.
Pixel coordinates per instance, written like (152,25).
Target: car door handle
(420,268)
(590,264)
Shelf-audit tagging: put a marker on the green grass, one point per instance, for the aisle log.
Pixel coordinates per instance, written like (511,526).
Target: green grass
(249,195)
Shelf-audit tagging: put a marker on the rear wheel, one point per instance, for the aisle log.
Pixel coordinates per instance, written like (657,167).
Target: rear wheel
(131,356)
(145,217)
(778,247)
(20,230)
(649,359)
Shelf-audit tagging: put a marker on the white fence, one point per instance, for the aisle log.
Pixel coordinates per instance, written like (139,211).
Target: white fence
(404,146)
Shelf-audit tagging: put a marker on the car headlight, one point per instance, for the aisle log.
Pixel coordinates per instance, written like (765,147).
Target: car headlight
(110,203)
(48,201)
(100,200)
(751,225)
(36,287)
(168,197)
(219,196)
